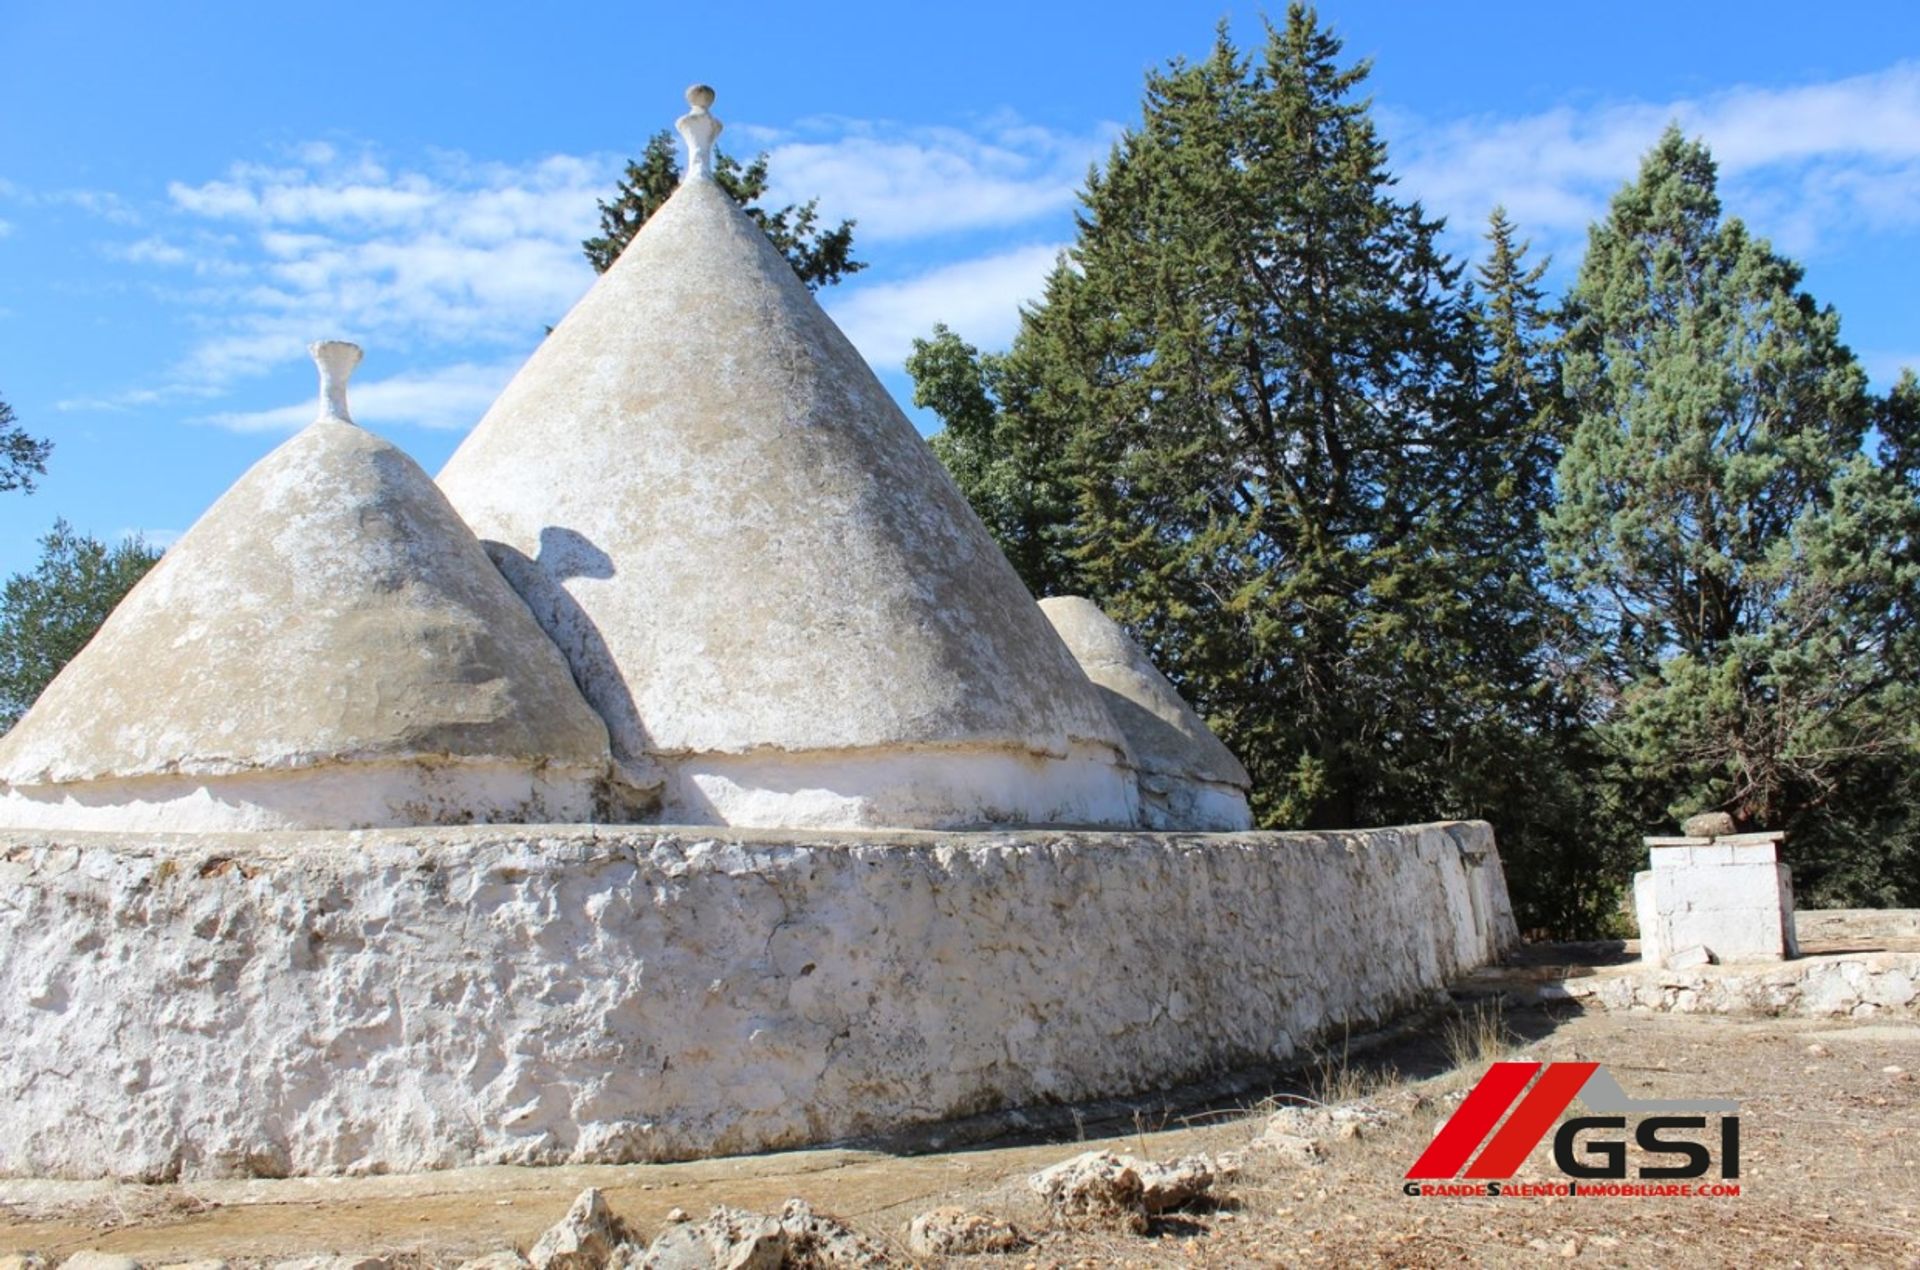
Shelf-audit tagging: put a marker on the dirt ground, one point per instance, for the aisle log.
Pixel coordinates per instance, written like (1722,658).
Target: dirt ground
(1829,1130)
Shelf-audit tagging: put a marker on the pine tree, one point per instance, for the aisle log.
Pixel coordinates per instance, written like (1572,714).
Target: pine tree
(1747,569)
(47,616)
(22,457)
(820,256)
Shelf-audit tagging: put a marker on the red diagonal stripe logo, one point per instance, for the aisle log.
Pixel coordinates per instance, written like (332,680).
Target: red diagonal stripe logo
(1550,1096)
(1468,1126)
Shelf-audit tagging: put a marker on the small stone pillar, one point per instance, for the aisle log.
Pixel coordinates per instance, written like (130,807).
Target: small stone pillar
(1715,897)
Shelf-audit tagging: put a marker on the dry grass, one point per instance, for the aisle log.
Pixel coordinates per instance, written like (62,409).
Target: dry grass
(1477,1036)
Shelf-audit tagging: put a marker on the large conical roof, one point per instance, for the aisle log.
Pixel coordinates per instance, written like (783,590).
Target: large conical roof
(330,607)
(740,541)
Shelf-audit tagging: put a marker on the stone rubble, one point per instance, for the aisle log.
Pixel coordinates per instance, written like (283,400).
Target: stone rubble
(505,1259)
(1297,1135)
(736,1239)
(952,1231)
(1863,986)
(1122,1189)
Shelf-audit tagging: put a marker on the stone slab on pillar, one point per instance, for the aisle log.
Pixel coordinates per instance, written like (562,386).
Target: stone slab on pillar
(1729,895)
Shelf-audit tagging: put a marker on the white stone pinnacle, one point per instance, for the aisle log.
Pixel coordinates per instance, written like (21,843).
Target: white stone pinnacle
(336,360)
(699,129)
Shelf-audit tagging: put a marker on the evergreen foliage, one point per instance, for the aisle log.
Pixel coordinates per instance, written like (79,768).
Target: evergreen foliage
(821,256)
(1259,416)
(1423,546)
(22,457)
(1746,569)
(47,616)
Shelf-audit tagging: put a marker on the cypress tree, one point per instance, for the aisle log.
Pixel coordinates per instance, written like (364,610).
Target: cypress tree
(1266,360)
(1745,566)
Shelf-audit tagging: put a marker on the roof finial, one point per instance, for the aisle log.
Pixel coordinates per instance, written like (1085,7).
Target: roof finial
(698,129)
(336,360)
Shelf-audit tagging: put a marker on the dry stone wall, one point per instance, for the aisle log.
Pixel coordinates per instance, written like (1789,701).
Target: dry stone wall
(405,999)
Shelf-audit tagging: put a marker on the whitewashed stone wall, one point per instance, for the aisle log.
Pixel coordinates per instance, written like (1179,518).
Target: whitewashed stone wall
(295,1003)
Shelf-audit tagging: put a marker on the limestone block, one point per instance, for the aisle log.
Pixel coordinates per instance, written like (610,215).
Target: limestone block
(1718,886)
(1687,958)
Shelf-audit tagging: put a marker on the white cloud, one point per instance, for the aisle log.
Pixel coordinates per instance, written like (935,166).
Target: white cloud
(980,299)
(443,259)
(5,228)
(902,183)
(447,259)
(446,397)
(151,251)
(1797,162)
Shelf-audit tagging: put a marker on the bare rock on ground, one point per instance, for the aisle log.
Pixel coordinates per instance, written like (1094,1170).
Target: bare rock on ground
(1298,1136)
(960,1232)
(735,1239)
(729,1239)
(1122,1189)
(24,1261)
(582,1240)
(505,1259)
(207,1263)
(91,1260)
(329,1263)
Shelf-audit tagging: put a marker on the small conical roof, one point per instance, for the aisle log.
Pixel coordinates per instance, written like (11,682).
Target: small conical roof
(330,607)
(736,535)
(1164,735)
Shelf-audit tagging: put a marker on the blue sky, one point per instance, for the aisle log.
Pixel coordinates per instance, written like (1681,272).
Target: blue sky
(191,192)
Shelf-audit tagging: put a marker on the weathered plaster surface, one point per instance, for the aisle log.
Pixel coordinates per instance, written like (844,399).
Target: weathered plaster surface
(1187,778)
(407,999)
(954,788)
(329,612)
(337,795)
(741,544)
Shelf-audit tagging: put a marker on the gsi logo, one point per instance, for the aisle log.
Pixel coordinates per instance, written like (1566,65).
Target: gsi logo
(1576,1154)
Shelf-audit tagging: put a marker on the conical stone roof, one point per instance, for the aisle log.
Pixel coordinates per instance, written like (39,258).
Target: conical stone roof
(1188,779)
(745,548)
(331,610)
